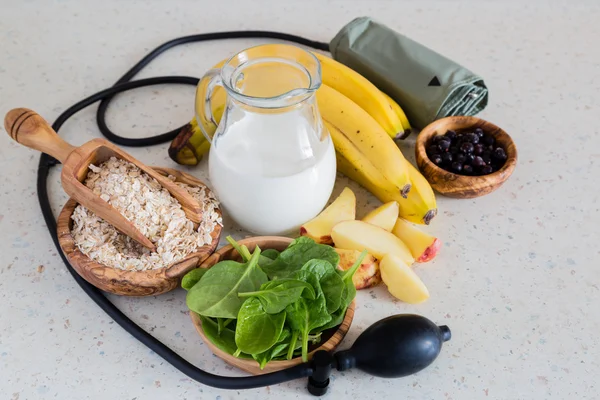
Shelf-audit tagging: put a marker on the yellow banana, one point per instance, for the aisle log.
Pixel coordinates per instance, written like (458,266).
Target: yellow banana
(401,115)
(360,90)
(366,134)
(413,209)
(420,207)
(421,203)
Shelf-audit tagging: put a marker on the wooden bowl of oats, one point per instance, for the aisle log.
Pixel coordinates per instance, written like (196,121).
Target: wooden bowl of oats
(116,264)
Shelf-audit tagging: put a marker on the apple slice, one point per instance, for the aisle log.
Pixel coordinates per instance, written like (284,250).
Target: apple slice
(359,235)
(423,246)
(342,209)
(366,275)
(401,280)
(384,216)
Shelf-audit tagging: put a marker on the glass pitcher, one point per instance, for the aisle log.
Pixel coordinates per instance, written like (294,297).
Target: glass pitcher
(271,161)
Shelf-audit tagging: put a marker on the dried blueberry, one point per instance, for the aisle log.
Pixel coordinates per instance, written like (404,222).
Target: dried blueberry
(499,154)
(488,140)
(447,158)
(451,134)
(478,162)
(444,145)
(467,147)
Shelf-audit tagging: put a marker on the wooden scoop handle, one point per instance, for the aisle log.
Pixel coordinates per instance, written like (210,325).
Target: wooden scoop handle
(30,129)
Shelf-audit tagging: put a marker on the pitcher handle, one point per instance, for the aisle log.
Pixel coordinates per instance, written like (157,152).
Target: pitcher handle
(204,114)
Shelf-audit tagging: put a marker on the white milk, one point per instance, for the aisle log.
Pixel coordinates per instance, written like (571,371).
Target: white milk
(270,172)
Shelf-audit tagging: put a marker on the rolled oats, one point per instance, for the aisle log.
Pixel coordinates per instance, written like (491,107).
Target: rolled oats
(151,208)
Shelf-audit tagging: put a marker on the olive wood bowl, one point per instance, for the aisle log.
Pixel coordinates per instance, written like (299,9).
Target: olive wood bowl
(464,186)
(331,338)
(132,283)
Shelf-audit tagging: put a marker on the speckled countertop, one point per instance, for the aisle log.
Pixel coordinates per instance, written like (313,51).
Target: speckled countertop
(517,279)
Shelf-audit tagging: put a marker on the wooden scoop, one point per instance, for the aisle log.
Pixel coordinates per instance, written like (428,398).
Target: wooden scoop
(31,130)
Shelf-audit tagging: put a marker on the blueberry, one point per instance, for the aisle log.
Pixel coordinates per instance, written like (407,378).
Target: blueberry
(469,158)
(478,149)
(479,132)
(432,150)
(478,162)
(460,157)
(467,147)
(488,140)
(456,166)
(444,145)
(472,138)
(499,154)
(437,159)
(486,170)
(487,157)
(436,139)
(490,148)
(447,158)
(453,150)
(467,169)
(451,134)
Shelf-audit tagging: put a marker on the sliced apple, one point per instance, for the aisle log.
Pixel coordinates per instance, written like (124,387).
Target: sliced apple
(366,275)
(384,216)
(423,246)
(401,280)
(359,235)
(343,208)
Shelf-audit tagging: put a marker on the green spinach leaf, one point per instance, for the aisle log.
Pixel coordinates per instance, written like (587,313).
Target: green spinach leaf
(281,344)
(276,295)
(245,253)
(270,253)
(215,295)
(191,278)
(224,341)
(348,294)
(222,323)
(298,253)
(305,315)
(256,331)
(331,283)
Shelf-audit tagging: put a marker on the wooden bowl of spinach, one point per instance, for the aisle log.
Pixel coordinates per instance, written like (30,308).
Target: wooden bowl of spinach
(267,303)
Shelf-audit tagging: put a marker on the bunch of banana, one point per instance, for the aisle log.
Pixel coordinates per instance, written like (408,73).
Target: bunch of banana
(366,155)
(363,123)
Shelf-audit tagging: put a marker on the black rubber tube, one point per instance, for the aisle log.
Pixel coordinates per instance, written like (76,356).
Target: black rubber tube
(46,162)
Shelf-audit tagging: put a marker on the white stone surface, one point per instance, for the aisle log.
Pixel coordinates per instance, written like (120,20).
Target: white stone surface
(517,278)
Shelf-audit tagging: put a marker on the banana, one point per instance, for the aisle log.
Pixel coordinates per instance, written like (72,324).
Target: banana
(366,134)
(413,209)
(360,90)
(406,128)
(420,207)
(421,203)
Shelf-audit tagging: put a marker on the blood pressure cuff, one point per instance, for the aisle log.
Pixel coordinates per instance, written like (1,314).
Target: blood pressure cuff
(427,85)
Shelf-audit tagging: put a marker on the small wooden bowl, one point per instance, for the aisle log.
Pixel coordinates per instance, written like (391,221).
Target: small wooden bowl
(330,338)
(131,283)
(464,186)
